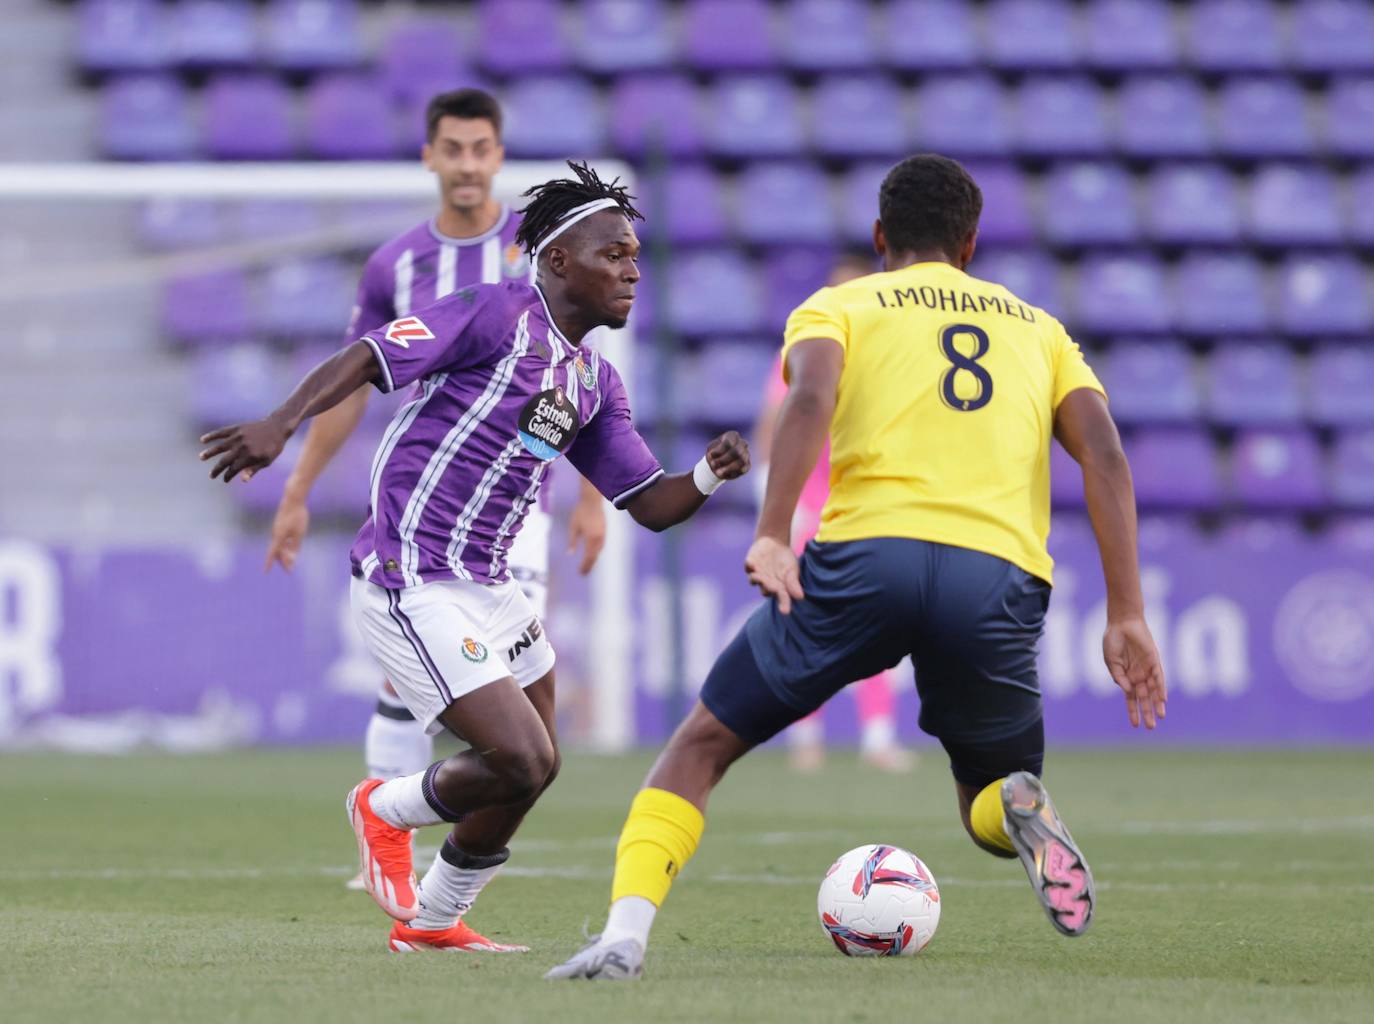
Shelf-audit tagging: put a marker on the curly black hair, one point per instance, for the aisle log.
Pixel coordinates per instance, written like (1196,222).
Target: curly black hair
(929,201)
(552,201)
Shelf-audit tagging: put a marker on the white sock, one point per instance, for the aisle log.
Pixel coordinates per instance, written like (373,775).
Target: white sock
(808,732)
(631,917)
(402,803)
(395,744)
(878,734)
(452,884)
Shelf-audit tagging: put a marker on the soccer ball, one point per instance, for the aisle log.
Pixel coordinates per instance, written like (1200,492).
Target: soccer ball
(879,900)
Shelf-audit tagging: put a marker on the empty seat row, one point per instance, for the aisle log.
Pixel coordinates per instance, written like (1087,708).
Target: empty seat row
(251,115)
(1282,470)
(714,292)
(512,37)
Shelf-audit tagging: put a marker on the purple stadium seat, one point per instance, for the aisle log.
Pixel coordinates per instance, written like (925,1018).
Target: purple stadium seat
(122,35)
(1234,35)
(1254,384)
(1260,534)
(828,35)
(1349,111)
(1163,115)
(248,117)
(858,116)
(349,117)
(1278,470)
(255,219)
(235,383)
(695,205)
(343,489)
(1263,117)
(305,299)
(963,115)
(729,35)
(1361,222)
(146,117)
(738,372)
(784,203)
(1006,216)
(616,36)
(754,115)
(517,37)
(420,57)
(1174,469)
(1221,294)
(1332,35)
(213,33)
(168,223)
(1294,206)
(1030,34)
(1128,35)
(713,292)
(790,275)
(660,110)
(1066,482)
(555,116)
(1123,294)
(928,35)
(1353,533)
(859,201)
(1192,204)
(1340,383)
(314,35)
(1324,295)
(1352,470)
(1151,382)
(209,307)
(1060,116)
(1031,275)
(1089,204)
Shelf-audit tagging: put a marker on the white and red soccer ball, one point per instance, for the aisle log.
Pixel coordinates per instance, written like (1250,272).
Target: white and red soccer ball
(879,900)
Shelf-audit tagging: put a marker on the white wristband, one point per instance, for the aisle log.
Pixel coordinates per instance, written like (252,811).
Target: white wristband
(706,481)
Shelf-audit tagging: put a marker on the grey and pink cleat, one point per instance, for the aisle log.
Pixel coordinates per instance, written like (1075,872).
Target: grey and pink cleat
(1052,860)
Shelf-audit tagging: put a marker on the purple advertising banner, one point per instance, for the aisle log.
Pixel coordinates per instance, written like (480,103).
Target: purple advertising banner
(1267,634)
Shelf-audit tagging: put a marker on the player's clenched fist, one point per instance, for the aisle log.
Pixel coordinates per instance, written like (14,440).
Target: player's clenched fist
(244,447)
(728,456)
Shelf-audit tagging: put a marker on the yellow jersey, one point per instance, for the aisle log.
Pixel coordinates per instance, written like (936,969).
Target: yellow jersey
(945,410)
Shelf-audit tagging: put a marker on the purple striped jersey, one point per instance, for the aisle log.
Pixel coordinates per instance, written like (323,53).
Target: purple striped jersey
(420,267)
(501,395)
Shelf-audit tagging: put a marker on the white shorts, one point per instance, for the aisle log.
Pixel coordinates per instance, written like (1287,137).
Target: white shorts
(441,640)
(528,558)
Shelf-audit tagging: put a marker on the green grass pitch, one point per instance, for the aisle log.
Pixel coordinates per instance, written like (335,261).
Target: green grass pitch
(1235,886)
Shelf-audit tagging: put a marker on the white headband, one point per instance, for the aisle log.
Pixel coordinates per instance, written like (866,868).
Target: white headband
(576,214)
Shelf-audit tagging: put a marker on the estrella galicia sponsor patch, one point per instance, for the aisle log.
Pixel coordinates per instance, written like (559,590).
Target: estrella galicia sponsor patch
(474,650)
(407,329)
(585,373)
(548,424)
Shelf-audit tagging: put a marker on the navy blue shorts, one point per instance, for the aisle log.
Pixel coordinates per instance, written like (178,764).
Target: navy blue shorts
(970,621)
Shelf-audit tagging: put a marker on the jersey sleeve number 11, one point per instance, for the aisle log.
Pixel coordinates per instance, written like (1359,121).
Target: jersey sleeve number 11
(966,363)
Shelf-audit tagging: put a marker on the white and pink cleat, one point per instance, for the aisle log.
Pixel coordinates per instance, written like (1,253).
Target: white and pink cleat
(1056,868)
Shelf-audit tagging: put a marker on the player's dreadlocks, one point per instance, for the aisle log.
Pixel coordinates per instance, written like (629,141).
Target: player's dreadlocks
(555,200)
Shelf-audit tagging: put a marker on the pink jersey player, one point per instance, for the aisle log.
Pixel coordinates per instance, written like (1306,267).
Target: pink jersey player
(878,740)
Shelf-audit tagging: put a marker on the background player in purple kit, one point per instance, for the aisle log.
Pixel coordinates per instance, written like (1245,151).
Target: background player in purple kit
(470,241)
(506,386)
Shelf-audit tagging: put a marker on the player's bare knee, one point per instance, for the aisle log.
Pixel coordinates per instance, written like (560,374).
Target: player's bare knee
(524,769)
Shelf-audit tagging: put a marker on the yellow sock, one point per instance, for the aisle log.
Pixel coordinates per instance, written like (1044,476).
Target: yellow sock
(986,817)
(658,839)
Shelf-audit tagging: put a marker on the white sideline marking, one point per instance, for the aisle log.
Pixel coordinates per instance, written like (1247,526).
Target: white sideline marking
(574,873)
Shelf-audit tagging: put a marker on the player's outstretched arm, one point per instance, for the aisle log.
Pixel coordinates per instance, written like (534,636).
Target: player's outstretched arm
(1085,428)
(249,447)
(326,435)
(673,499)
(799,433)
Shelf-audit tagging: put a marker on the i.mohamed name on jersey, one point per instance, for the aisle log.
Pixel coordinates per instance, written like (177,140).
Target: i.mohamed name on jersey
(954,301)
